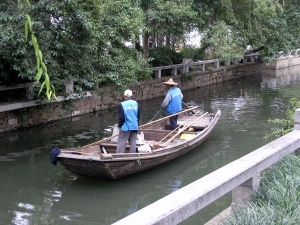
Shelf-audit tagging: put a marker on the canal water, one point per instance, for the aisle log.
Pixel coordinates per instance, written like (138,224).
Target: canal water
(34,191)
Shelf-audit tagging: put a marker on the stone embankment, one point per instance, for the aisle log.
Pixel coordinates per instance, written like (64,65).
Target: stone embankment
(33,115)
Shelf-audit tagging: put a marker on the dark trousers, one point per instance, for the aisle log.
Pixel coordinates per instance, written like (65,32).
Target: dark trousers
(173,122)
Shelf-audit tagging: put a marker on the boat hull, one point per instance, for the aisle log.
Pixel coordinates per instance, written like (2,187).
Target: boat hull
(122,165)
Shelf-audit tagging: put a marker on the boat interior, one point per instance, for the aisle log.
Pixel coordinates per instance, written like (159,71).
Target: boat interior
(155,136)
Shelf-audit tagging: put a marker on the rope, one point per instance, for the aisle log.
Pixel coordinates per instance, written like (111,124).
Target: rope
(155,115)
(139,160)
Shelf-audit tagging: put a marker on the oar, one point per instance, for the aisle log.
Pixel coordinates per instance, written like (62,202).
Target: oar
(177,128)
(183,129)
(102,140)
(166,117)
(76,152)
(142,126)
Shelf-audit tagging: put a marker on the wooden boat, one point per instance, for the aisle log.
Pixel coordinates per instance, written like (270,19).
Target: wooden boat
(158,146)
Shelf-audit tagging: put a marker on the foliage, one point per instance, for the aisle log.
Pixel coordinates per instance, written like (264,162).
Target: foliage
(164,56)
(234,25)
(287,125)
(195,53)
(82,41)
(283,33)
(223,42)
(187,77)
(40,64)
(168,21)
(277,201)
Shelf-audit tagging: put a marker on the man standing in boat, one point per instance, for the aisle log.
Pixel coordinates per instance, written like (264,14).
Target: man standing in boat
(172,101)
(129,117)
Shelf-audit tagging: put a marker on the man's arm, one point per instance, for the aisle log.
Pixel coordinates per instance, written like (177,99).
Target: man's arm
(138,114)
(166,101)
(121,116)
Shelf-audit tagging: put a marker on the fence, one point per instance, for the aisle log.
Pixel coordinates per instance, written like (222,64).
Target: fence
(27,86)
(184,67)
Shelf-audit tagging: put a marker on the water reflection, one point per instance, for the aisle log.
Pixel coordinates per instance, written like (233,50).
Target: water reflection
(21,218)
(274,79)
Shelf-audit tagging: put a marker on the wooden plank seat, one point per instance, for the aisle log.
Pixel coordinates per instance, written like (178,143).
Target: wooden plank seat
(155,135)
(198,125)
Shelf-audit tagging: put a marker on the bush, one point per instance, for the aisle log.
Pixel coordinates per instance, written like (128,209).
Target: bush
(195,53)
(164,56)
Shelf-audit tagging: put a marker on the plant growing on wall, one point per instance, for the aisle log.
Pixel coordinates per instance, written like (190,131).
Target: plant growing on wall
(187,77)
(286,125)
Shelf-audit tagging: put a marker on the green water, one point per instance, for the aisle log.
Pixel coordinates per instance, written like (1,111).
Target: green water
(33,191)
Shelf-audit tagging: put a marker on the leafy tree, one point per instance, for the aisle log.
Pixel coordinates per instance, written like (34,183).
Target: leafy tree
(164,56)
(284,31)
(233,25)
(82,41)
(166,22)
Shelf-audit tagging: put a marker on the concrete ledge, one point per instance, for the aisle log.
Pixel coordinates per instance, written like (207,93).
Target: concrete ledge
(188,200)
(17,86)
(20,105)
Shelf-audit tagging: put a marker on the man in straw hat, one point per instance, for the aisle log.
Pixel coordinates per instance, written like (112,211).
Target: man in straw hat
(129,117)
(172,101)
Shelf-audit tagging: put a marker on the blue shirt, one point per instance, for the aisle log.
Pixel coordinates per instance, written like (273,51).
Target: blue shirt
(173,101)
(129,115)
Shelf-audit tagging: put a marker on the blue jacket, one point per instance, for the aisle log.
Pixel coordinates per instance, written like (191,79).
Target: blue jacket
(129,115)
(175,104)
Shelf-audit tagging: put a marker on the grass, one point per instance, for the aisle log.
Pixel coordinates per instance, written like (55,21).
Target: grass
(277,200)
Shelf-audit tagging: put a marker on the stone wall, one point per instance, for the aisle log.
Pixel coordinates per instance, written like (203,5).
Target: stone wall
(284,62)
(107,98)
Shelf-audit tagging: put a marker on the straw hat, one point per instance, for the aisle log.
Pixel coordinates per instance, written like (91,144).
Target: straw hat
(170,82)
(128,93)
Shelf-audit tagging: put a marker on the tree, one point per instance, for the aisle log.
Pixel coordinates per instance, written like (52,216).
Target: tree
(234,25)
(166,22)
(81,40)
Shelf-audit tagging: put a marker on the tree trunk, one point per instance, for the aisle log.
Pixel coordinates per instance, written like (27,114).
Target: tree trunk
(138,46)
(168,41)
(145,45)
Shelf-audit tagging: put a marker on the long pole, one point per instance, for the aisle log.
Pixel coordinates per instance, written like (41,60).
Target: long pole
(175,114)
(182,129)
(177,128)
(142,126)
